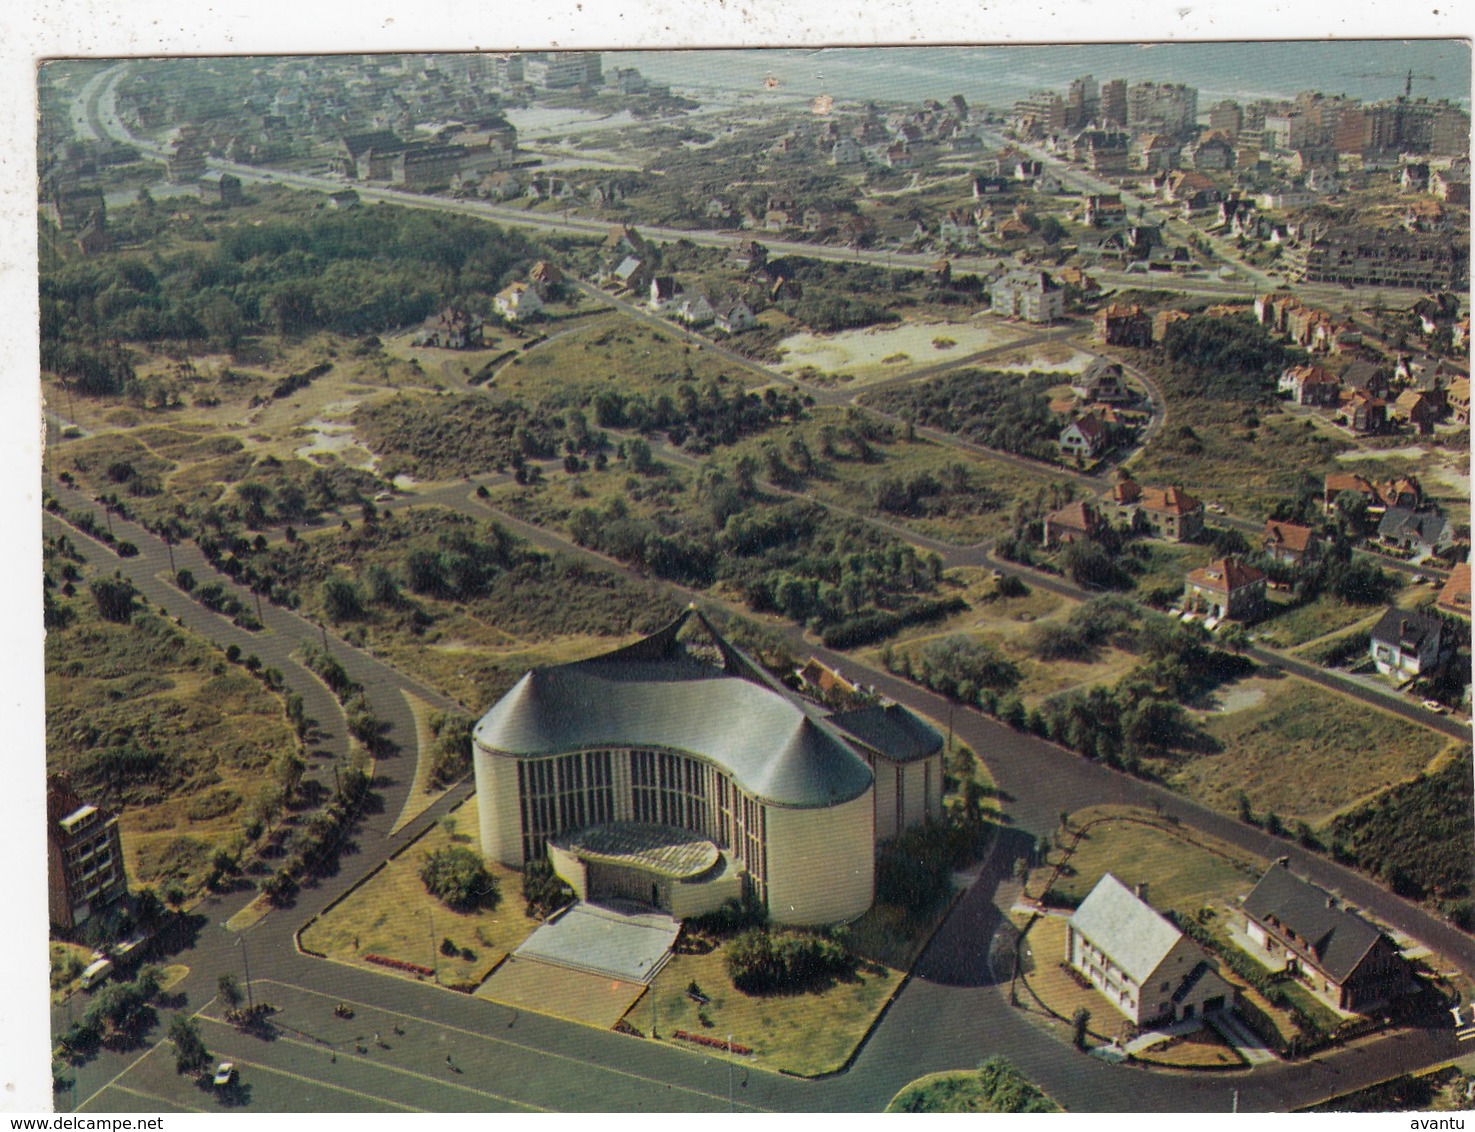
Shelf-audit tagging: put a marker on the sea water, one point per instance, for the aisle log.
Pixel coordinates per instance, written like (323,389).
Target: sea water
(1372,70)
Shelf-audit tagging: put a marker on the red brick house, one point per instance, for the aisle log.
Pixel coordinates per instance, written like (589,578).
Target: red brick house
(1226,588)
(1333,952)
(1077,521)
(1171,513)
(1287,542)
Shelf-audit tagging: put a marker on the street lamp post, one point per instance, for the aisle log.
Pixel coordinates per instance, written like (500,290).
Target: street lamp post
(729,1072)
(434,954)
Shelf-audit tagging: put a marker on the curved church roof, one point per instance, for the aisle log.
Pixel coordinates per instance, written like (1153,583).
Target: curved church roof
(653,694)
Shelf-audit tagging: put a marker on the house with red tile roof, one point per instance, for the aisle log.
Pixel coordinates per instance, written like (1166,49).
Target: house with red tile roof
(1083,437)
(1455,596)
(1079,520)
(1310,385)
(1287,542)
(1226,588)
(1171,513)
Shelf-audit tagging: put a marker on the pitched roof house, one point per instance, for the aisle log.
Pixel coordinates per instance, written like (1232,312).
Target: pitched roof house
(1287,542)
(1124,325)
(518,301)
(1103,381)
(1405,643)
(1310,385)
(1171,513)
(1084,437)
(1455,596)
(1426,532)
(1226,588)
(1078,520)
(1335,953)
(1141,962)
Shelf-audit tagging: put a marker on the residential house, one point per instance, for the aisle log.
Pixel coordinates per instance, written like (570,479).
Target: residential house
(1122,497)
(1338,482)
(518,301)
(1102,383)
(695,310)
(1214,153)
(344,198)
(1124,325)
(631,274)
(846,151)
(223,187)
(1171,513)
(1104,210)
(1414,178)
(349,159)
(1164,319)
(663,292)
(733,316)
(1290,543)
(84,856)
(1138,959)
(1416,532)
(1226,588)
(1458,398)
(1450,187)
(1030,295)
(546,278)
(1418,410)
(749,254)
(1084,437)
(452,329)
(1366,414)
(1455,596)
(1367,376)
(623,241)
(1327,948)
(777,219)
(1079,520)
(958,228)
(1310,385)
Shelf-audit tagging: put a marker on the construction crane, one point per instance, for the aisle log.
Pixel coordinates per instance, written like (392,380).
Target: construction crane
(1408,79)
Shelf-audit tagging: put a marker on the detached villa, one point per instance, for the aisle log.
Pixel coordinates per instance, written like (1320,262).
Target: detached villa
(1145,966)
(681,774)
(1335,953)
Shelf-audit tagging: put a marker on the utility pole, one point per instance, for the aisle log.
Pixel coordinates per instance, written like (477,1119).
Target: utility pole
(434,954)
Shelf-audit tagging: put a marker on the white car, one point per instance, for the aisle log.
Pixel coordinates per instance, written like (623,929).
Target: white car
(1435,706)
(225,1073)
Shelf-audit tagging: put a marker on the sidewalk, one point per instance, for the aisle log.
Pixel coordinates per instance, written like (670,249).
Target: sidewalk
(1250,1047)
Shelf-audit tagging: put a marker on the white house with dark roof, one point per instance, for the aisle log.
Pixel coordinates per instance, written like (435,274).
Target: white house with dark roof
(1406,643)
(1141,962)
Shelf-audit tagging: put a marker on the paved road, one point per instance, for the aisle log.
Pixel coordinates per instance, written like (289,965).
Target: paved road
(949,1015)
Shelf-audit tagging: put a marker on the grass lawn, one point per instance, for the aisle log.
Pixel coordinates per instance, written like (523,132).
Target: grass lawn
(1006,624)
(1316,619)
(210,730)
(845,481)
(390,914)
(803,1033)
(1324,1016)
(1303,752)
(1203,1048)
(1165,564)
(1183,871)
(1045,970)
(617,353)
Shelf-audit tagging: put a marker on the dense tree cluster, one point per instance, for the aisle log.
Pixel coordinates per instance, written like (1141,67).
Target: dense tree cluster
(1223,359)
(353,272)
(760,961)
(459,879)
(1007,411)
(720,412)
(1416,837)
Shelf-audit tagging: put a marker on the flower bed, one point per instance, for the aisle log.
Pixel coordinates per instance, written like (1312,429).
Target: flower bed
(712,1043)
(399,964)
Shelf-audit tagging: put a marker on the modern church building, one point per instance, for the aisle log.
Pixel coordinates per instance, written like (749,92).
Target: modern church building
(681,774)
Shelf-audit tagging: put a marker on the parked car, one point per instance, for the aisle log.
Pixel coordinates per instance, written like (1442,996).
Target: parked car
(1435,706)
(225,1073)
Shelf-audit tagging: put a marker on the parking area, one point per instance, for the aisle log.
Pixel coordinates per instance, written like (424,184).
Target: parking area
(389,1060)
